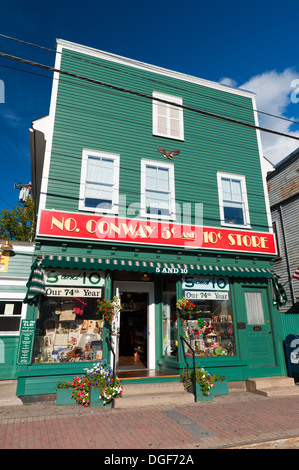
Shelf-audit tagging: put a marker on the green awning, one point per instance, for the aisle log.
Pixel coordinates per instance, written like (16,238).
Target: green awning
(153,266)
(35,285)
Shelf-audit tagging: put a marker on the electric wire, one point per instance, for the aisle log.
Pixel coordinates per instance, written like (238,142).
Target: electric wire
(144,95)
(147,78)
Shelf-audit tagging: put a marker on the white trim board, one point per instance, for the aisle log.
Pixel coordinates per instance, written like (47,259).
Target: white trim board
(149,68)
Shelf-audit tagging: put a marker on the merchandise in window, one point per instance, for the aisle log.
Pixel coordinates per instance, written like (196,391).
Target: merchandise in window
(10,315)
(68,330)
(210,328)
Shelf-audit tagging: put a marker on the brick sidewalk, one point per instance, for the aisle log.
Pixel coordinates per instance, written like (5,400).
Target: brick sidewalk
(227,421)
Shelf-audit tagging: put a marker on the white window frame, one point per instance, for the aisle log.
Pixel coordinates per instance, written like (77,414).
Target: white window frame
(172,99)
(115,196)
(9,297)
(242,180)
(144,163)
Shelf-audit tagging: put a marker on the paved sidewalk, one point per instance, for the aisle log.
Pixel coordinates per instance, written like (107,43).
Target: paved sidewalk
(237,420)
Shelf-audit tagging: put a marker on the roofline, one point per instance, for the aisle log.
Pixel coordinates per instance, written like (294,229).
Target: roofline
(284,163)
(150,68)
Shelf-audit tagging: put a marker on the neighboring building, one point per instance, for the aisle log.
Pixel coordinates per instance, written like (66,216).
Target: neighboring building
(118,216)
(283,187)
(14,272)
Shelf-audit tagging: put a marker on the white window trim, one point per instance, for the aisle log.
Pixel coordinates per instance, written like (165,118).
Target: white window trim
(172,99)
(14,297)
(145,162)
(94,153)
(242,180)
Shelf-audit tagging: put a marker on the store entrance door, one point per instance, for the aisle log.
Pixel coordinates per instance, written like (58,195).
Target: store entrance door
(133,330)
(261,351)
(134,326)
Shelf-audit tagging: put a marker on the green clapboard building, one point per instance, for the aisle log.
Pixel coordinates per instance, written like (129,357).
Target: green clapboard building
(15,264)
(150,187)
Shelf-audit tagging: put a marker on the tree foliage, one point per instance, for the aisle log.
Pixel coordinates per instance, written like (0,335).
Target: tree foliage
(19,223)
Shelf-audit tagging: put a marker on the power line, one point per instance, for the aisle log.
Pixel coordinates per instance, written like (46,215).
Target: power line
(148,79)
(144,95)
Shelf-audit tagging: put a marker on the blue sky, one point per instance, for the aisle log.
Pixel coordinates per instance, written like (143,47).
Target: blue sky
(252,45)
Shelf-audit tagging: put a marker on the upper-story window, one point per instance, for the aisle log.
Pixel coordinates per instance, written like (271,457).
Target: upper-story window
(157,189)
(233,200)
(99,190)
(168,118)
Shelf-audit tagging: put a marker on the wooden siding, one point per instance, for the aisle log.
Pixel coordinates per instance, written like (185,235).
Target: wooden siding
(95,117)
(283,183)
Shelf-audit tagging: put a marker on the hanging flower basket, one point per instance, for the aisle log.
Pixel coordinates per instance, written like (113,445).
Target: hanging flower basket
(185,309)
(107,308)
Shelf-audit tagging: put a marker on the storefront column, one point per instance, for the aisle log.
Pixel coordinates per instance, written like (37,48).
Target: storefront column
(107,326)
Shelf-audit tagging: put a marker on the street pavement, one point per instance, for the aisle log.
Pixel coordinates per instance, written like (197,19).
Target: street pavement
(240,420)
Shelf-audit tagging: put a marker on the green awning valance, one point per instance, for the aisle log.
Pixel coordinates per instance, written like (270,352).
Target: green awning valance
(35,285)
(153,266)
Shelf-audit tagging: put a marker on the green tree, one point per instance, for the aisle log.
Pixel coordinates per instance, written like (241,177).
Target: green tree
(19,223)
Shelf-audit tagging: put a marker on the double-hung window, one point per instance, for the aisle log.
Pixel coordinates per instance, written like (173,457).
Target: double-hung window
(233,200)
(167,117)
(157,189)
(99,189)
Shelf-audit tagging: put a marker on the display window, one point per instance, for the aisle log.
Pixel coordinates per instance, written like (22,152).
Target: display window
(68,330)
(210,328)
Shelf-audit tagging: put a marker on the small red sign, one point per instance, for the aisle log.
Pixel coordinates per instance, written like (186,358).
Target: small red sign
(91,227)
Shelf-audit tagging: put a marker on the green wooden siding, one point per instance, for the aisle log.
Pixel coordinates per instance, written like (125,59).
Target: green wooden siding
(8,357)
(98,118)
(19,266)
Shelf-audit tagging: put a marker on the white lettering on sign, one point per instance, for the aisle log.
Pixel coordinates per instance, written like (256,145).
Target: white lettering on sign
(172,270)
(69,277)
(73,292)
(205,283)
(206,295)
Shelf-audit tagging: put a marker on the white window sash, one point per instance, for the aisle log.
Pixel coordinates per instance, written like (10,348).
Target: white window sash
(92,186)
(168,120)
(254,308)
(243,203)
(171,190)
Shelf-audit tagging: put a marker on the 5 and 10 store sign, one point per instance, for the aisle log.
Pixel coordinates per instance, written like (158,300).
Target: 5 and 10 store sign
(83,226)
(74,283)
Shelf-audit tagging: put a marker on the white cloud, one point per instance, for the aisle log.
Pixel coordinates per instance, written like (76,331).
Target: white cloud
(273,95)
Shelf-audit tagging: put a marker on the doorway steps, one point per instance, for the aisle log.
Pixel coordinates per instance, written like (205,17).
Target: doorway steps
(153,394)
(273,386)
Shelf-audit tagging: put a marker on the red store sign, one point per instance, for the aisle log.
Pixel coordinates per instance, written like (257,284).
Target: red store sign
(91,227)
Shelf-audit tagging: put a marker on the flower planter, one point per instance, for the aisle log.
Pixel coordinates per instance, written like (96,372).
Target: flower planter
(63,397)
(95,401)
(221,388)
(199,395)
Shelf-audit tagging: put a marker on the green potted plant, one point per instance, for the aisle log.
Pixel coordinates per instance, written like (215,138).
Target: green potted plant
(206,387)
(220,386)
(63,394)
(98,387)
(184,309)
(104,385)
